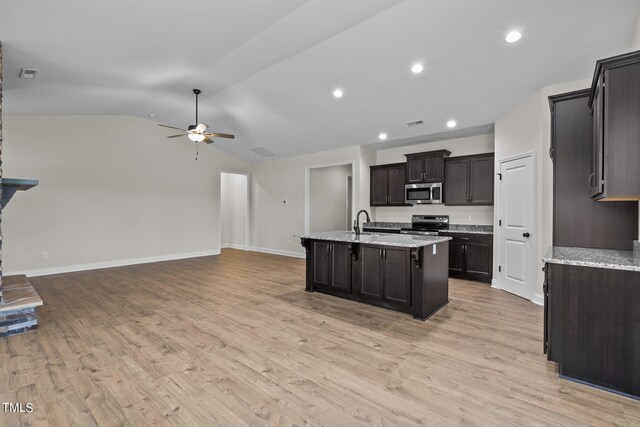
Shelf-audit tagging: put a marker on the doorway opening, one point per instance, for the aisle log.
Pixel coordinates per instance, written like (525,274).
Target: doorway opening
(329,198)
(234,211)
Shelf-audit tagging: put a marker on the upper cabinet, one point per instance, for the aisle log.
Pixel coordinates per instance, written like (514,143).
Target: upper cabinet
(578,220)
(426,167)
(615,106)
(387,185)
(468,180)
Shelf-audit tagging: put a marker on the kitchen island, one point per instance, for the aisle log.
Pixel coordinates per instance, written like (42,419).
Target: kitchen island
(399,272)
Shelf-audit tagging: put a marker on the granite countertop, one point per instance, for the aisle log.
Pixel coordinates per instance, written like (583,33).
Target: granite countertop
(598,258)
(453,228)
(403,240)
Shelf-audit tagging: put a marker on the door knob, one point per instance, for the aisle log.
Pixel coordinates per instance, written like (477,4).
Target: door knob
(526,235)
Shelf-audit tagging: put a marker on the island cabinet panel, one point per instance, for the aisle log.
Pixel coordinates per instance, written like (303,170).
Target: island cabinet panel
(592,325)
(370,280)
(384,275)
(341,266)
(406,279)
(321,263)
(397,289)
(332,265)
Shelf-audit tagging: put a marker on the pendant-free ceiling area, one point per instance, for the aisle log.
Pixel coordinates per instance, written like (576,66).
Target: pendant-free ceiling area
(268,70)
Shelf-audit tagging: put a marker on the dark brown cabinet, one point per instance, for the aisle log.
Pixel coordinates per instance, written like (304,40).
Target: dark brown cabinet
(468,180)
(426,167)
(591,320)
(578,220)
(470,256)
(385,275)
(615,105)
(332,265)
(387,185)
(410,280)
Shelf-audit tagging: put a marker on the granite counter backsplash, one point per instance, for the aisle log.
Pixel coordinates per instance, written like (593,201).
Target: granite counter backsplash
(597,258)
(464,228)
(453,228)
(389,225)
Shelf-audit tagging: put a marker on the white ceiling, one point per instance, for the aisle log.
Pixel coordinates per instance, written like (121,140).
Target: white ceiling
(267,68)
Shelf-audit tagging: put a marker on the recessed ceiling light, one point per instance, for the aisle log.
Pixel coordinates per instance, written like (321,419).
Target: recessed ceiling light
(452,124)
(417,68)
(513,36)
(382,136)
(338,93)
(152,115)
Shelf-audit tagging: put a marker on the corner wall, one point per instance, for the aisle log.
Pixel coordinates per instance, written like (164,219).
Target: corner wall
(113,191)
(280,180)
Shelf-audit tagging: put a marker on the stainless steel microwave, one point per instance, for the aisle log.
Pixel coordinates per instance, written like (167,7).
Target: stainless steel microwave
(423,193)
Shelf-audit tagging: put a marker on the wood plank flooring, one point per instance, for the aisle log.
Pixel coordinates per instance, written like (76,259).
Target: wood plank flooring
(234,340)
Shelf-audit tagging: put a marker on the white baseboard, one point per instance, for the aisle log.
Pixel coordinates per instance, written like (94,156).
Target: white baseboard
(109,264)
(279,252)
(232,246)
(538,299)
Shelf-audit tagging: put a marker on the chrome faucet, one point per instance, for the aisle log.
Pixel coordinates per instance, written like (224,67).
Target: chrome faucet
(356,222)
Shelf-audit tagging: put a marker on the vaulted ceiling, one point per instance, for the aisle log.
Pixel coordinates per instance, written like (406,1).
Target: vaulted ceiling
(267,69)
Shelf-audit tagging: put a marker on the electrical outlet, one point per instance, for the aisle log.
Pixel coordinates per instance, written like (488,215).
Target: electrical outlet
(45,255)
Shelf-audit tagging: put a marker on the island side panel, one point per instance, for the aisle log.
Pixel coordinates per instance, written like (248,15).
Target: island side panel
(431,280)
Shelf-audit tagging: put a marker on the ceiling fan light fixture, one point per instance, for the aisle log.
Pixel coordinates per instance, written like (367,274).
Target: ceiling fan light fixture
(195,137)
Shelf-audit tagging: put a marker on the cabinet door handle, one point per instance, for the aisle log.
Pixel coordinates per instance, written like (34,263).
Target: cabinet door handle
(380,253)
(591,180)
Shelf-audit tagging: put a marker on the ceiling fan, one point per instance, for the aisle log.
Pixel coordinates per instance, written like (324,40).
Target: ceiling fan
(197,133)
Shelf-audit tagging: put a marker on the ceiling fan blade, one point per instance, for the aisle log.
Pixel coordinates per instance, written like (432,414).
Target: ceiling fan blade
(201,127)
(208,141)
(175,136)
(220,135)
(171,127)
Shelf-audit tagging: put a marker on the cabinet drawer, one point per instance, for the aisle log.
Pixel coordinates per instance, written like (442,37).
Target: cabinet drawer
(469,237)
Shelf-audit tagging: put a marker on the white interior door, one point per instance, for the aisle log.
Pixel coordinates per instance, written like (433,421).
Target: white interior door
(516,216)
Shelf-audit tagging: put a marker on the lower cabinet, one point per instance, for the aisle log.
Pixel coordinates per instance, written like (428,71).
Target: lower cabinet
(591,325)
(471,256)
(332,265)
(384,275)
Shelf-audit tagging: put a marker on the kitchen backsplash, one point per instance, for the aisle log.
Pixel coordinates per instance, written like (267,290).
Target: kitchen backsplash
(476,215)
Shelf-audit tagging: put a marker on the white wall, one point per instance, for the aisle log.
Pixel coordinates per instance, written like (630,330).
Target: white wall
(233,210)
(276,222)
(527,128)
(113,190)
(480,215)
(328,198)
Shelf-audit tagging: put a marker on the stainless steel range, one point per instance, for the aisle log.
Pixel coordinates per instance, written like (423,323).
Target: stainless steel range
(427,225)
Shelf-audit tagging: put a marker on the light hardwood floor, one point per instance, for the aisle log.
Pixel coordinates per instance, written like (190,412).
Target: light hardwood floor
(235,340)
